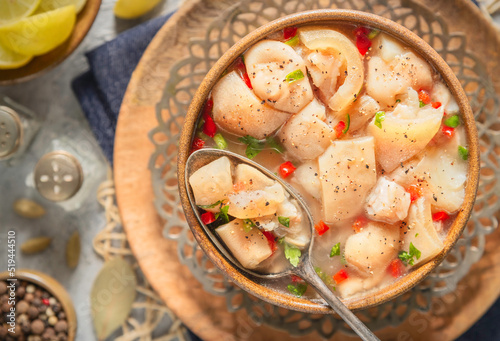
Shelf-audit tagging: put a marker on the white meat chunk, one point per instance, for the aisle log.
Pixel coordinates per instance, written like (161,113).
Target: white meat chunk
(249,248)
(355,285)
(405,131)
(388,48)
(254,204)
(385,81)
(307,176)
(268,63)
(212,183)
(352,70)
(250,178)
(267,223)
(347,173)
(305,136)
(388,201)
(324,70)
(373,248)
(420,231)
(362,112)
(444,175)
(238,111)
(441,93)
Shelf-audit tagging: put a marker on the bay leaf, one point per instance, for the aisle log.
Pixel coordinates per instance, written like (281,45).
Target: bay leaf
(73,250)
(27,208)
(35,245)
(112,295)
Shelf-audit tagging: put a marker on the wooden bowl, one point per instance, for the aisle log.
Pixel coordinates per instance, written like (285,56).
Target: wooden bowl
(257,286)
(54,288)
(41,64)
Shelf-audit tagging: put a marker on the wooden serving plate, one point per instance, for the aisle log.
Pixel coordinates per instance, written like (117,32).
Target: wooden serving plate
(206,314)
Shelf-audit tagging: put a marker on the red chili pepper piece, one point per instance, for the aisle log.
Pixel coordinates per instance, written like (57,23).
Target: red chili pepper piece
(240,66)
(363,43)
(436,105)
(247,80)
(207,218)
(364,31)
(296,279)
(45,301)
(415,192)
(321,227)
(339,129)
(396,268)
(207,110)
(424,96)
(340,276)
(286,169)
(209,128)
(197,144)
(359,223)
(289,32)
(448,131)
(440,216)
(271,240)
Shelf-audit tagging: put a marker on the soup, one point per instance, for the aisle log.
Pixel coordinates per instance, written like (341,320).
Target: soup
(364,129)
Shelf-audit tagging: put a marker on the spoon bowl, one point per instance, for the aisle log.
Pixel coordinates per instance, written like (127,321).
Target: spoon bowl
(304,269)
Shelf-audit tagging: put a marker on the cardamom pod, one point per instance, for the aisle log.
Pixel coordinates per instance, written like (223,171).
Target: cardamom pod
(35,245)
(28,209)
(73,250)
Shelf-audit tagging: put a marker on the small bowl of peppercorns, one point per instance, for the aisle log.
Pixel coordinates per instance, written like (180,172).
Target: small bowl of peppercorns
(35,307)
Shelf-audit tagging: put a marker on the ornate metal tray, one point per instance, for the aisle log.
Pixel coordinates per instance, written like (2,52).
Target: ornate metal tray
(235,21)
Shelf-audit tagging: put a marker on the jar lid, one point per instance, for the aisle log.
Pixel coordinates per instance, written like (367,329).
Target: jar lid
(10,132)
(58,176)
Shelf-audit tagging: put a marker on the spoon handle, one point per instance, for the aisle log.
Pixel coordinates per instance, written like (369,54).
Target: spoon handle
(306,271)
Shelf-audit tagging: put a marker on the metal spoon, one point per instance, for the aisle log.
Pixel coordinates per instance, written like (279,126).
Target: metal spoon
(305,268)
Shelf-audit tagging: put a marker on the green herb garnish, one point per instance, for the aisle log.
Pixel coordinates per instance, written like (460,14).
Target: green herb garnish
(223,214)
(285,221)
(292,254)
(335,250)
(294,76)
(254,146)
(463,152)
(347,124)
(210,206)
(271,142)
(324,277)
(248,225)
(407,257)
(293,40)
(373,34)
(297,289)
(421,104)
(398,101)
(220,141)
(379,117)
(452,121)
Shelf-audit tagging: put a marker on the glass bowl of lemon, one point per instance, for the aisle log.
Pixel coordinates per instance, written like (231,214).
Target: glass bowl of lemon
(36,35)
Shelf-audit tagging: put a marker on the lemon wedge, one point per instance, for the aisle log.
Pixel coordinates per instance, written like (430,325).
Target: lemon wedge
(129,9)
(11,11)
(50,5)
(40,33)
(12,60)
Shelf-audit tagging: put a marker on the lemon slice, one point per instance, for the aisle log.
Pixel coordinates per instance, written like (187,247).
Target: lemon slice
(11,11)
(129,9)
(40,33)
(12,60)
(50,5)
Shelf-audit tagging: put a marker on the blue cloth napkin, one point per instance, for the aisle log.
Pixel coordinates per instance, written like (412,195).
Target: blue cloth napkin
(100,92)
